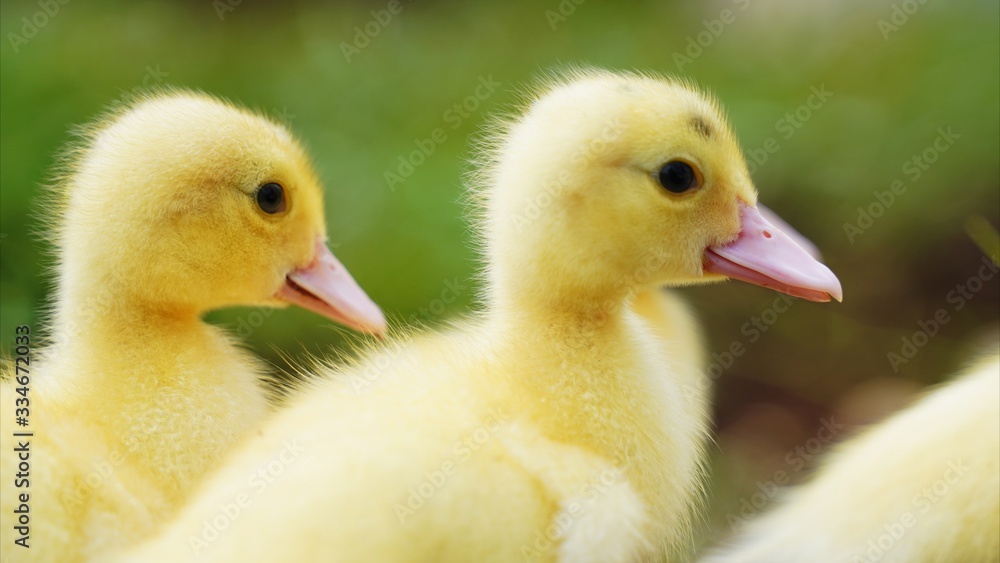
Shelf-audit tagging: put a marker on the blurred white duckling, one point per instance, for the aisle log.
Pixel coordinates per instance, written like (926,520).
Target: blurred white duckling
(921,487)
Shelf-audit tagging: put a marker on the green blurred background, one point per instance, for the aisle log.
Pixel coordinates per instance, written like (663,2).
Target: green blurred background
(893,84)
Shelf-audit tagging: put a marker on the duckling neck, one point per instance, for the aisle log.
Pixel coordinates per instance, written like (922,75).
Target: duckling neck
(589,309)
(97,319)
(119,342)
(117,361)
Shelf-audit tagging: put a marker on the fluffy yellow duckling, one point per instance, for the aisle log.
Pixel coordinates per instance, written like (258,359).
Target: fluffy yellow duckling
(554,426)
(174,206)
(921,487)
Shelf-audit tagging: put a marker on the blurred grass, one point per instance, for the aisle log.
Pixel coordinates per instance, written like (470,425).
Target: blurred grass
(938,70)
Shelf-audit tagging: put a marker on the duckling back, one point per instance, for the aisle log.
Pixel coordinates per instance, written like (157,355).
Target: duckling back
(923,486)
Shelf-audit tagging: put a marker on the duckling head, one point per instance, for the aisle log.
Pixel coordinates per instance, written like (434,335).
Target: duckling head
(612,183)
(182,203)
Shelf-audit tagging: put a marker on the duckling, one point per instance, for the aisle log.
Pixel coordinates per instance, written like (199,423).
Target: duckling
(921,487)
(553,425)
(173,206)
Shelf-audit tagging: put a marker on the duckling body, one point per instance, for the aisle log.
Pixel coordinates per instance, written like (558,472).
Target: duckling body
(134,397)
(105,466)
(557,424)
(923,486)
(426,429)
(675,325)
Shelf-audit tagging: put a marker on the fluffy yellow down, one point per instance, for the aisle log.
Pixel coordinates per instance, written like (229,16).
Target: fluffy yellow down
(134,398)
(560,424)
(921,487)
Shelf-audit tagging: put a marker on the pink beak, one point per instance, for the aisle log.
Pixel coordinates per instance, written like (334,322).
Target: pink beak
(764,255)
(783,226)
(325,287)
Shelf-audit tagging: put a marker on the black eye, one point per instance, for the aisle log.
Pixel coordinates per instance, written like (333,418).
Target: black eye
(677,177)
(271,198)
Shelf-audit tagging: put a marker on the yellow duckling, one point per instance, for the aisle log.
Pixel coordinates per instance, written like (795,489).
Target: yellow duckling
(172,207)
(555,426)
(921,487)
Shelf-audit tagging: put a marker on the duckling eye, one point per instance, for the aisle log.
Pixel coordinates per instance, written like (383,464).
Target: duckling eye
(677,177)
(271,198)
